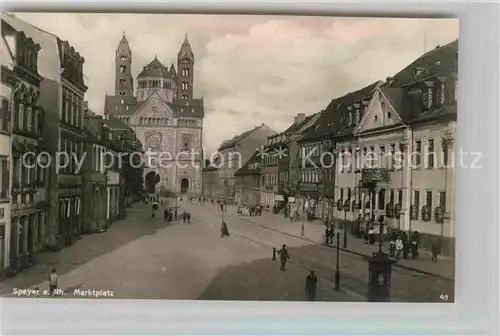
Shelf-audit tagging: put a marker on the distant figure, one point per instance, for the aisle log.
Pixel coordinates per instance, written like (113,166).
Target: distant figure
(414,245)
(188,216)
(311,284)
(224,232)
(53,282)
(436,249)
(332,234)
(175,213)
(399,247)
(184,216)
(165,214)
(284,257)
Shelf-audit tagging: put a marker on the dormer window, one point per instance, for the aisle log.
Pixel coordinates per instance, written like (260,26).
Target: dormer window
(418,71)
(429,98)
(357,115)
(440,95)
(349,119)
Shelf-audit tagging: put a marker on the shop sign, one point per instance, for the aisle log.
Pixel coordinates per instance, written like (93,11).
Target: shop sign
(279,198)
(374,175)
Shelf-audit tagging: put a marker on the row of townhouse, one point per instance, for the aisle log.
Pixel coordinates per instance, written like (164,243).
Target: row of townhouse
(269,177)
(380,156)
(384,154)
(42,142)
(218,180)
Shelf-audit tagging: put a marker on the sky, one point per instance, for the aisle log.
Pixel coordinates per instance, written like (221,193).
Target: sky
(251,69)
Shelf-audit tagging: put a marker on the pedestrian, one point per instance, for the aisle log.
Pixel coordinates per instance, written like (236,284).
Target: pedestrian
(224,232)
(327,234)
(53,282)
(371,236)
(188,216)
(184,216)
(436,249)
(332,234)
(165,215)
(392,248)
(175,213)
(153,213)
(311,283)
(414,245)
(399,247)
(284,257)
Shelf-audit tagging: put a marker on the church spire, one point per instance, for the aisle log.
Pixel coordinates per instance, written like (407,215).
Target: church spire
(186,50)
(123,47)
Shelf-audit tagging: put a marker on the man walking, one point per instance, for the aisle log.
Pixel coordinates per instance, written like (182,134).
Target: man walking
(53,282)
(284,257)
(311,283)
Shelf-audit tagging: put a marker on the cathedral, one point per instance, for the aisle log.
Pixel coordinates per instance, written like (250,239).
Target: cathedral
(164,115)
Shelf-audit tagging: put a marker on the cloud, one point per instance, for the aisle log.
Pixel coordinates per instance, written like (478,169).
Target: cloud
(252,69)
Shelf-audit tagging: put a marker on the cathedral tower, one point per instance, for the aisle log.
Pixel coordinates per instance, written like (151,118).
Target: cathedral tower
(185,67)
(124,85)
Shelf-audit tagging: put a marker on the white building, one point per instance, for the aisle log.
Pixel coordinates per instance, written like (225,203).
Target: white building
(396,167)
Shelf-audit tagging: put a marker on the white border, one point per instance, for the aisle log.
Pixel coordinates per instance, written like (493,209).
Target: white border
(476,308)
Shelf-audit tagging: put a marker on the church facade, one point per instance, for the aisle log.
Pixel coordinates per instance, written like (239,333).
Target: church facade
(165,116)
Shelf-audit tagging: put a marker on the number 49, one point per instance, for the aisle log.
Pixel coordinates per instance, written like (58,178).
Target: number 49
(443,297)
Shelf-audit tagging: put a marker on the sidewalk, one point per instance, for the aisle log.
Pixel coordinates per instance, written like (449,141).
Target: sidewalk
(314,231)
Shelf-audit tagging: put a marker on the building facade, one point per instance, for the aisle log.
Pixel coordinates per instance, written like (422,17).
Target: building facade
(210,179)
(234,153)
(71,139)
(164,114)
(397,164)
(249,181)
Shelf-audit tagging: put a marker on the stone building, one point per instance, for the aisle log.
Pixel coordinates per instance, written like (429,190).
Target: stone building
(28,186)
(396,151)
(164,114)
(248,181)
(210,178)
(71,137)
(101,174)
(317,155)
(234,153)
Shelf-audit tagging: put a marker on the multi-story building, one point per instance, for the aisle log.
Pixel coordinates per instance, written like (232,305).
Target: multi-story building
(210,179)
(29,183)
(289,165)
(94,203)
(317,158)
(101,175)
(234,153)
(71,137)
(164,115)
(396,152)
(248,181)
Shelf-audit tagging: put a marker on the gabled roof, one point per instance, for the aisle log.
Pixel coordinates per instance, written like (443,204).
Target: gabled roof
(255,158)
(297,126)
(330,120)
(440,60)
(113,105)
(238,138)
(155,69)
(116,124)
(48,57)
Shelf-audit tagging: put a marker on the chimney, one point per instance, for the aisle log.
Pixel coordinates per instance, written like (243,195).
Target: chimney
(300,118)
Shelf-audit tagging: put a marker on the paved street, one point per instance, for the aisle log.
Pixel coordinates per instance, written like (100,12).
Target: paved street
(143,258)
(406,285)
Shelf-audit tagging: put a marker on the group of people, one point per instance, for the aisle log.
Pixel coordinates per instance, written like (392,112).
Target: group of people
(401,246)
(250,210)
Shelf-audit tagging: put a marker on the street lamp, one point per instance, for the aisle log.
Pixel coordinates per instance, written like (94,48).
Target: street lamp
(337,269)
(346,209)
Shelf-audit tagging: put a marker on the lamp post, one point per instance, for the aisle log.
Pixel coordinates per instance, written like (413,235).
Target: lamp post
(337,269)
(346,209)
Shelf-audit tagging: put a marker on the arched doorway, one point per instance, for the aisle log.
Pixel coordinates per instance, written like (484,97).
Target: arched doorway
(184,185)
(151,180)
